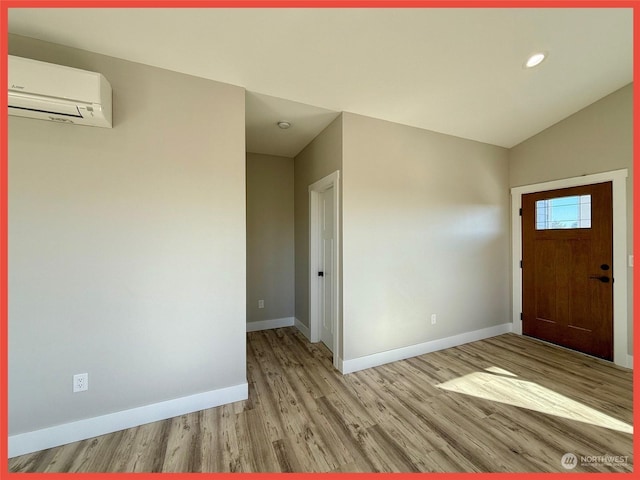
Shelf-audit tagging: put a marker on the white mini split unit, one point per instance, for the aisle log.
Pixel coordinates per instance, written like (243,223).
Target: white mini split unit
(58,94)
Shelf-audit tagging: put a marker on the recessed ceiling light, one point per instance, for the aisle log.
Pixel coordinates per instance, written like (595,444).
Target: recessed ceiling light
(535,60)
(284,125)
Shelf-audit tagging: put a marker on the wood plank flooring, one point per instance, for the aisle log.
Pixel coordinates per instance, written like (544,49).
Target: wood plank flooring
(504,404)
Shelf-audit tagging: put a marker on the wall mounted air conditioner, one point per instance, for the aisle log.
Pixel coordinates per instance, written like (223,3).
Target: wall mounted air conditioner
(58,93)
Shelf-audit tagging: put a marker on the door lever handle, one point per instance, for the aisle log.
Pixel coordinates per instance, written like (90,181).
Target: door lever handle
(321,274)
(602,278)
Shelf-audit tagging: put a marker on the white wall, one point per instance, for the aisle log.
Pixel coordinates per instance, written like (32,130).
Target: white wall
(126,246)
(597,139)
(270,237)
(425,230)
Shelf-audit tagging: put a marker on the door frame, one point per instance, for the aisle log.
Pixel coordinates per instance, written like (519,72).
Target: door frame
(618,179)
(315,189)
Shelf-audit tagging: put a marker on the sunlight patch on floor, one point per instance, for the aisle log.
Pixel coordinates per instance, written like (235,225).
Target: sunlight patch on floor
(500,371)
(499,385)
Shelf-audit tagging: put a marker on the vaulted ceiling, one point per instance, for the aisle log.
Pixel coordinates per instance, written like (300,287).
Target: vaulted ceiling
(454,71)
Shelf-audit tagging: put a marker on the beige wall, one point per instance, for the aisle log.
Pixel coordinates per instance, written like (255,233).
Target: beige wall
(425,230)
(596,139)
(270,252)
(320,158)
(126,246)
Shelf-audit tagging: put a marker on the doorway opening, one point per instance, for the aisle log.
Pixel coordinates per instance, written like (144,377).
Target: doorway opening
(324,264)
(619,255)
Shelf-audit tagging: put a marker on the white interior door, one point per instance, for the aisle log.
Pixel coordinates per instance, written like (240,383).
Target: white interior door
(326,262)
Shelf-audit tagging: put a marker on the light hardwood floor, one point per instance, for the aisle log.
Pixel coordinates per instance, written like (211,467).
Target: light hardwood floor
(508,403)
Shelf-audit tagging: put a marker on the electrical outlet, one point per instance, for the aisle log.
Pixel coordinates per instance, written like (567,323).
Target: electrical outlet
(260,303)
(80,382)
(433,319)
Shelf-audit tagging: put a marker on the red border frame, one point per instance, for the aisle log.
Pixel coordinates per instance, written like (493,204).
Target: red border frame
(319,4)
(6,4)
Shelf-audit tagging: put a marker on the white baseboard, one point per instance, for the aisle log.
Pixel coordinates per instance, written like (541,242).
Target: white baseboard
(303,328)
(360,363)
(630,361)
(269,324)
(340,366)
(92,427)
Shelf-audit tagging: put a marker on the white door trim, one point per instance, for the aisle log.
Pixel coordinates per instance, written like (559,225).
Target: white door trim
(618,178)
(332,180)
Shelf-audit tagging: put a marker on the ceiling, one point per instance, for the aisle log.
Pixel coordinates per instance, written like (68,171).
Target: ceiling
(263,114)
(454,71)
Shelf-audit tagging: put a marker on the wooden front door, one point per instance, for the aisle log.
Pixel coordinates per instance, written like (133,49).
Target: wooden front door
(567,268)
